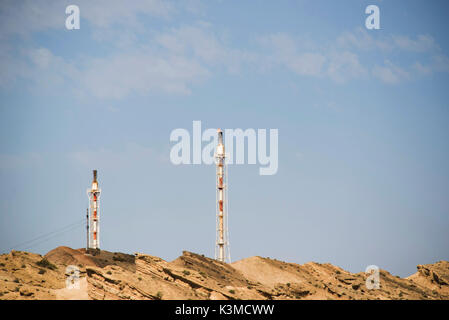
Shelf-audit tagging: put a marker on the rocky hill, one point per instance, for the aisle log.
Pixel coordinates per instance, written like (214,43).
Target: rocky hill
(109,275)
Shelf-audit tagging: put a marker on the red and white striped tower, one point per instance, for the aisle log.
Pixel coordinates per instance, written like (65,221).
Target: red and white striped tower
(94,213)
(222,237)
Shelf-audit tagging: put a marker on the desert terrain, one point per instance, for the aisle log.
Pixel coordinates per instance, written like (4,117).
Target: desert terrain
(120,276)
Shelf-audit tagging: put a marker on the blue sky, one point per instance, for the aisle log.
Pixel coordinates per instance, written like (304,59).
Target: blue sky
(362,118)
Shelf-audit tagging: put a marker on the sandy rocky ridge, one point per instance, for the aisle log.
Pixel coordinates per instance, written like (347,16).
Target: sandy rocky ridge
(109,275)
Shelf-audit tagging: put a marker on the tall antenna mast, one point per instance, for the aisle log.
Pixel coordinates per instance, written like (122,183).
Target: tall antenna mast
(87,228)
(94,197)
(222,242)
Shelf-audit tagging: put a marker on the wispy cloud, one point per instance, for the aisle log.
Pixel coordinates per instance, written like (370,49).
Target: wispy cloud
(361,39)
(437,63)
(29,16)
(390,73)
(104,13)
(422,43)
(39,66)
(344,66)
(282,49)
(422,48)
(174,60)
(200,42)
(141,72)
(339,65)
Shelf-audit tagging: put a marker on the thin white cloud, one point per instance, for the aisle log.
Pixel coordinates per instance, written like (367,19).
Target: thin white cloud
(440,63)
(390,73)
(420,68)
(437,63)
(423,48)
(310,64)
(27,16)
(422,43)
(283,50)
(38,65)
(361,39)
(104,13)
(340,66)
(344,66)
(141,72)
(193,40)
(174,60)
(283,45)
(201,43)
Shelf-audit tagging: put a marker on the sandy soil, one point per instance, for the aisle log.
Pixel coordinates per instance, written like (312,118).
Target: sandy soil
(114,275)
